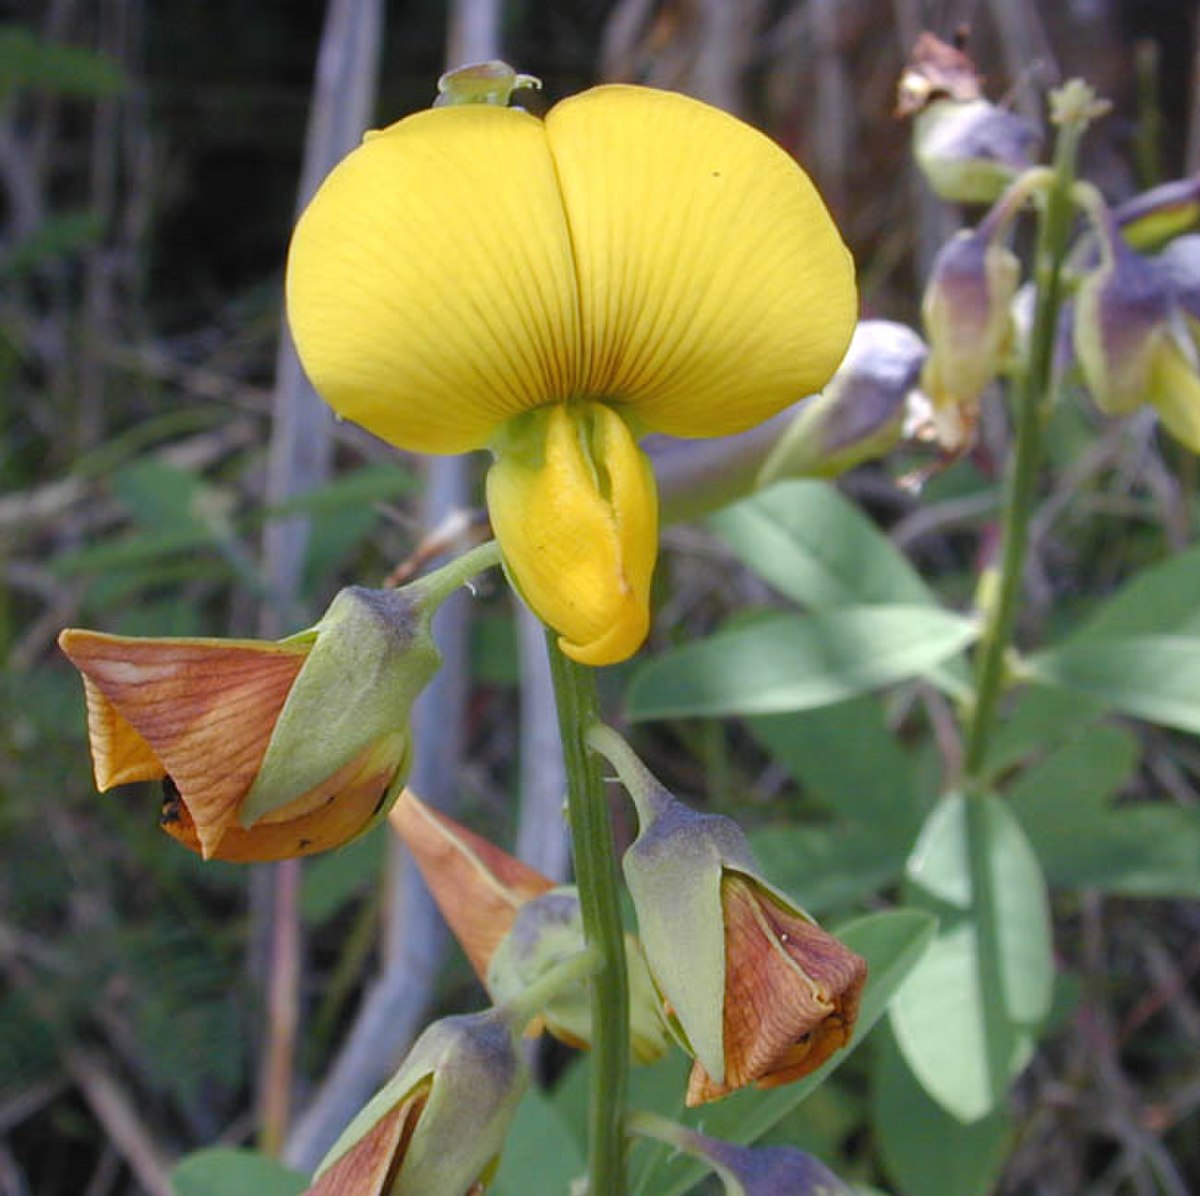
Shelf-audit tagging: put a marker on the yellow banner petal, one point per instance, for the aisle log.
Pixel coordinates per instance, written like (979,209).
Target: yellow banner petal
(714,287)
(430,285)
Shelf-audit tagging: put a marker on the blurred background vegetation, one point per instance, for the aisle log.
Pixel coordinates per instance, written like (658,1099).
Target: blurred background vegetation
(150,157)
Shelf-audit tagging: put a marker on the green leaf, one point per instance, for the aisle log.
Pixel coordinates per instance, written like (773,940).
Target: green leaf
(1158,601)
(541,1153)
(847,758)
(818,549)
(788,662)
(343,515)
(1043,715)
(1081,774)
(178,513)
(825,869)
(225,1172)
(925,1150)
(892,943)
(821,551)
(164,498)
(1064,805)
(1153,677)
(359,488)
(1140,651)
(967,1015)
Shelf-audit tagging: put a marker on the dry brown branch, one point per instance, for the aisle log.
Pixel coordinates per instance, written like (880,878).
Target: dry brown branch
(44,504)
(299,459)
(413,934)
(116,1111)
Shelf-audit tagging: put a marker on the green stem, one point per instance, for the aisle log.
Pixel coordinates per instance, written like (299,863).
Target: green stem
(1031,408)
(597,877)
(441,583)
(527,1004)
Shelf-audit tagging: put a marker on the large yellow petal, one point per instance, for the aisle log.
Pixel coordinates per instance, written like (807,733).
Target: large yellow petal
(714,288)
(430,286)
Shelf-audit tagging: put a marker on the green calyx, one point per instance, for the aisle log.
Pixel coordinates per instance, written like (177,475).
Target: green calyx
(372,656)
(546,936)
(475,1075)
(673,870)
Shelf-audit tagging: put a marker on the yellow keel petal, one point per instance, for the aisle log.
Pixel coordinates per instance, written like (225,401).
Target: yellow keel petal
(574,506)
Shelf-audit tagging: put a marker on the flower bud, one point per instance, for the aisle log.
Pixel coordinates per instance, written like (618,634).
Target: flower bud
(266,750)
(935,70)
(515,926)
(860,415)
(482,83)
(1121,315)
(574,506)
(548,930)
(970,150)
(1156,216)
(1179,267)
(756,991)
(746,1170)
(438,1126)
(968,324)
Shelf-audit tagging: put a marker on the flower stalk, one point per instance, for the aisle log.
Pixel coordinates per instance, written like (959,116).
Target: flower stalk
(597,877)
(1075,106)
(529,1003)
(460,571)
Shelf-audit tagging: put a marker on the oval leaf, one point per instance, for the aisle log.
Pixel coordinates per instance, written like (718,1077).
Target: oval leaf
(966,1016)
(788,662)
(818,549)
(1153,677)
(925,1149)
(226,1172)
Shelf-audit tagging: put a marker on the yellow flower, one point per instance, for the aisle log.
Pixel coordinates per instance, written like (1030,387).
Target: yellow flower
(637,262)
